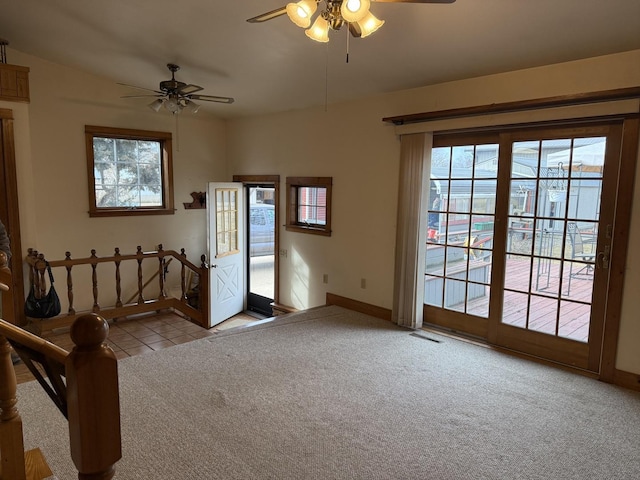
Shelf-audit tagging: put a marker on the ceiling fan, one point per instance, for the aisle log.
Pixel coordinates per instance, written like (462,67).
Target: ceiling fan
(336,13)
(176,96)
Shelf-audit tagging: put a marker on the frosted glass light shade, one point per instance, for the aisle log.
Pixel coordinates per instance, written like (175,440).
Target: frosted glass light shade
(319,30)
(172,105)
(300,13)
(354,10)
(369,24)
(156,105)
(191,106)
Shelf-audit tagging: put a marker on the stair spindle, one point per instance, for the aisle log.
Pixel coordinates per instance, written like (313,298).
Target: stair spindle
(94,279)
(67,256)
(118,280)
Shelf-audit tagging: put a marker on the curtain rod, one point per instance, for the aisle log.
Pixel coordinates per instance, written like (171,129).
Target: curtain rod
(518,106)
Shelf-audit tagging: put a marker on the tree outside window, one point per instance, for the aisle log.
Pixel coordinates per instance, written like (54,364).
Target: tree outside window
(130,172)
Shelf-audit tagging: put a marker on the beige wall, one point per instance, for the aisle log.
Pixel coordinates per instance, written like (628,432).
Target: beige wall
(348,142)
(52,173)
(351,143)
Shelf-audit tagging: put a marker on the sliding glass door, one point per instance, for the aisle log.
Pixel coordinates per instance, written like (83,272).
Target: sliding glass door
(519,253)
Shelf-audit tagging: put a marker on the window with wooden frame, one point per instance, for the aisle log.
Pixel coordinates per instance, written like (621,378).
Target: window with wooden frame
(309,205)
(130,172)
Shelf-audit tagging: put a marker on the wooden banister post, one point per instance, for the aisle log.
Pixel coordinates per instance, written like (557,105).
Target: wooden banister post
(93,400)
(11,442)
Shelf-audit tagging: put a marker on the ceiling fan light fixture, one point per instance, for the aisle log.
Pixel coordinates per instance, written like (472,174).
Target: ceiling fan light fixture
(369,24)
(156,105)
(191,106)
(354,10)
(319,31)
(172,105)
(300,13)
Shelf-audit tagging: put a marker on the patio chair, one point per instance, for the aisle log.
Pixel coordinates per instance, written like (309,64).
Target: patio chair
(578,253)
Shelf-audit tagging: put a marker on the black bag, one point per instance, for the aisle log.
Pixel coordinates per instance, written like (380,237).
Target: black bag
(45,307)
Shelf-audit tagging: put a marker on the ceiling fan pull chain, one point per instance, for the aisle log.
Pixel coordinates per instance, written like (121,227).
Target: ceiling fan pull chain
(326,78)
(177,133)
(348,35)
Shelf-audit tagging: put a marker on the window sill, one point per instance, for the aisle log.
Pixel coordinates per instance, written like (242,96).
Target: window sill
(130,212)
(305,229)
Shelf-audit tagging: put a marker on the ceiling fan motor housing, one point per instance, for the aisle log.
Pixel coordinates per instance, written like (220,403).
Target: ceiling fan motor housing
(171,86)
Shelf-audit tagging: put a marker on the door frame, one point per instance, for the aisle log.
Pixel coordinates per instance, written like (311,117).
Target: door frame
(271,181)
(9,212)
(605,364)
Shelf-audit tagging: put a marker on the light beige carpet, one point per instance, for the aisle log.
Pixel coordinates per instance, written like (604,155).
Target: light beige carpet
(333,394)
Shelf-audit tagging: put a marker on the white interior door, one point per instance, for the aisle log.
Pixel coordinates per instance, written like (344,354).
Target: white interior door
(225,236)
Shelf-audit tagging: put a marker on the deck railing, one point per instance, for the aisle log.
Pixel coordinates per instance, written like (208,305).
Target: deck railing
(193,305)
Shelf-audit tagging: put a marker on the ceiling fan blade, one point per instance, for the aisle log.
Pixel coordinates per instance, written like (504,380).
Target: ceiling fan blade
(212,98)
(141,96)
(268,16)
(189,89)
(141,88)
(414,1)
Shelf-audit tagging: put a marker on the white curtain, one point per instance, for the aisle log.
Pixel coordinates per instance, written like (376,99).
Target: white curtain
(411,234)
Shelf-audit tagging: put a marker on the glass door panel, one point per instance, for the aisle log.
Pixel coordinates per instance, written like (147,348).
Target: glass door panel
(551,233)
(461,218)
(515,238)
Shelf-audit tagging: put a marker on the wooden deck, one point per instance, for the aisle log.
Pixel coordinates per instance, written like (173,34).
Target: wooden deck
(559,304)
(555,307)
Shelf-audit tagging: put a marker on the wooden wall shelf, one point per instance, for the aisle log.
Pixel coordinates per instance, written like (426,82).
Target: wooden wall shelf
(199,201)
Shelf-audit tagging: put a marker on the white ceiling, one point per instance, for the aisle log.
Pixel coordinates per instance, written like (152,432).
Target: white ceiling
(273,66)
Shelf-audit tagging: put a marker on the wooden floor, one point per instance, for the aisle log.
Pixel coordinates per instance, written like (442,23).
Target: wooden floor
(137,336)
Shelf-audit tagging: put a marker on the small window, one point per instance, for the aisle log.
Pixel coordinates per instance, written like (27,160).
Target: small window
(130,172)
(309,204)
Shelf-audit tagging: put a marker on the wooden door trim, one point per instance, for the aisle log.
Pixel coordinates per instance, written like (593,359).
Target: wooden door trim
(609,201)
(542,345)
(602,96)
(456,321)
(10,212)
(626,179)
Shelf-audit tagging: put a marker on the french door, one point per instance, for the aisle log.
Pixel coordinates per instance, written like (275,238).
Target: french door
(520,233)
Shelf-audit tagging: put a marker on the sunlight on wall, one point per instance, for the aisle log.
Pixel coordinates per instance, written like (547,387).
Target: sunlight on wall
(300,280)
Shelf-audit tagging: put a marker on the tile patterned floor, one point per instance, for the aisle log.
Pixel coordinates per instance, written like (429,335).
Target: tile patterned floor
(141,335)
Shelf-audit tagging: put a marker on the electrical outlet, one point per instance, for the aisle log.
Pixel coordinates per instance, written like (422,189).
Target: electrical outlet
(283,252)
(325,278)
(363,283)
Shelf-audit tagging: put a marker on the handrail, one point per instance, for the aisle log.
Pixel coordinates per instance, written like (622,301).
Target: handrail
(33,342)
(93,410)
(198,314)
